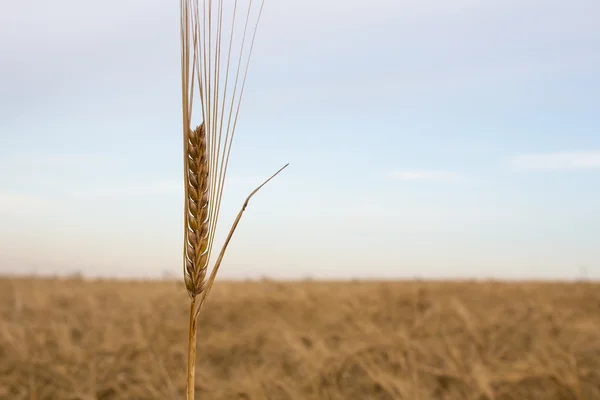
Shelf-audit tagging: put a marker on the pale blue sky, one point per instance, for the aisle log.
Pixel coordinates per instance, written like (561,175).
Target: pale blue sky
(426,138)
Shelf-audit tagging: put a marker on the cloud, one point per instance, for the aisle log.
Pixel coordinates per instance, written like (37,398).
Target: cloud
(12,202)
(158,187)
(424,175)
(558,161)
(129,189)
(55,159)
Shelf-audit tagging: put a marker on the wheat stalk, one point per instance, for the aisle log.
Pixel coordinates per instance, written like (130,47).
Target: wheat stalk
(207,148)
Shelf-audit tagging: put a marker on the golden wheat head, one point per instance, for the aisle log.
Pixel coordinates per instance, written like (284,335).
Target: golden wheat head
(197,206)
(215,55)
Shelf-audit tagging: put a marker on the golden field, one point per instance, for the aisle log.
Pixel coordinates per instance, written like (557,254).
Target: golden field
(76,339)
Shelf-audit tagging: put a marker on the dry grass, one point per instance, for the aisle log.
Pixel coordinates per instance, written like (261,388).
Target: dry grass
(109,340)
(209,60)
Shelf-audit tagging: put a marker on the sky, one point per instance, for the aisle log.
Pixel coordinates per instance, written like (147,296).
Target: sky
(425,139)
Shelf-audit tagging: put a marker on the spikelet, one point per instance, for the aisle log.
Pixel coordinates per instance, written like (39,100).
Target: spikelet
(197,211)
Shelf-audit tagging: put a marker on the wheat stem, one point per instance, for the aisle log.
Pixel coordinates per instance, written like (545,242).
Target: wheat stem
(191,368)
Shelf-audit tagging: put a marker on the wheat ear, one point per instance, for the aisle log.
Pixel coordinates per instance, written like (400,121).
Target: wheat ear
(196,236)
(207,148)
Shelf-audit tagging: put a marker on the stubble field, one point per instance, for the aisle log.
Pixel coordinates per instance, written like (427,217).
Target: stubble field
(73,339)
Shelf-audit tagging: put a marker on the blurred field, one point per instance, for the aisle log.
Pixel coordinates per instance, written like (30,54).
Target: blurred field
(71,339)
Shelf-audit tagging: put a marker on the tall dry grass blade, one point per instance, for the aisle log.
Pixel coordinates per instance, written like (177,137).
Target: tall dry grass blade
(208,147)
